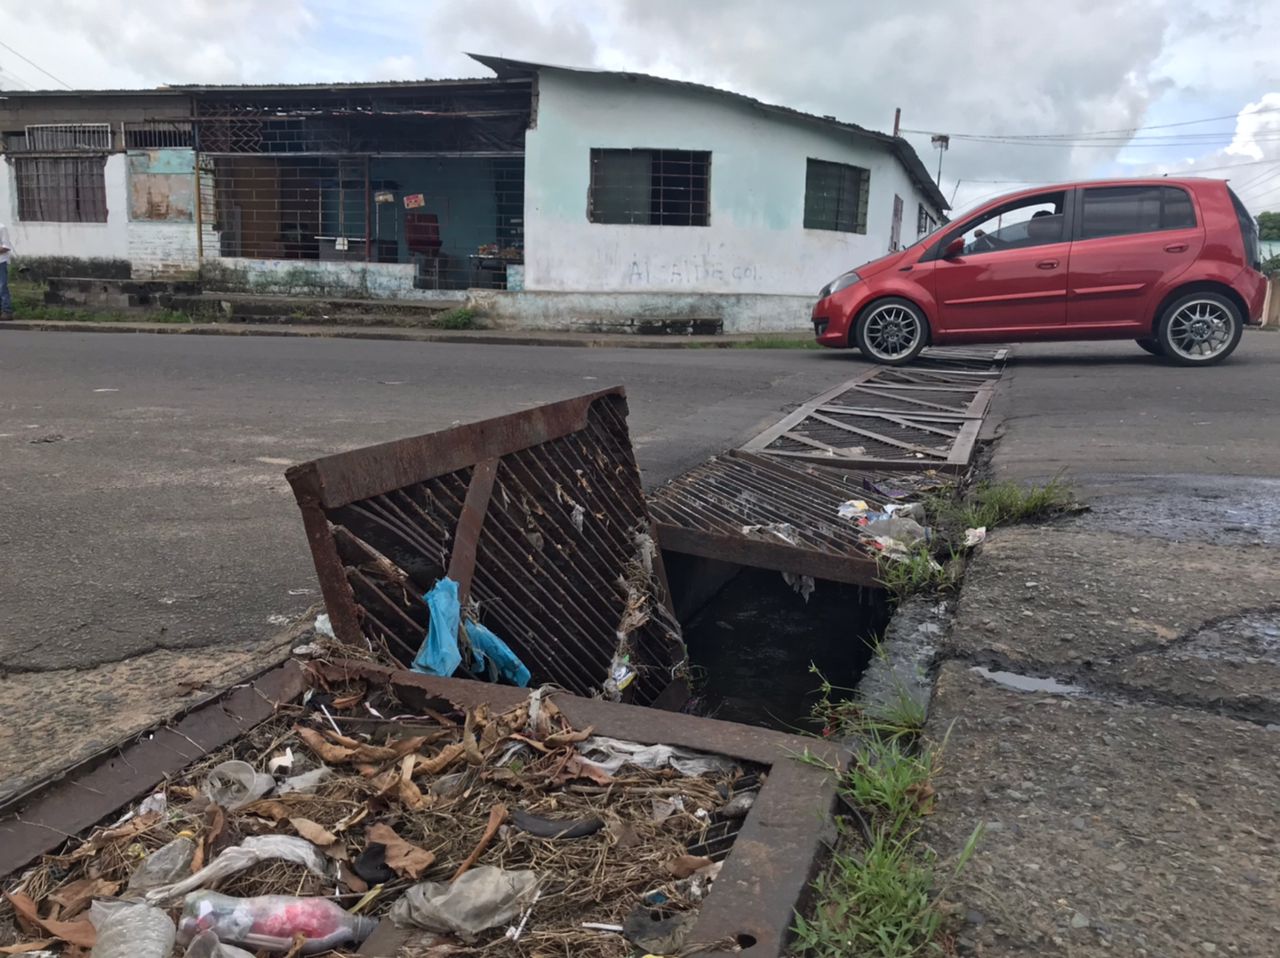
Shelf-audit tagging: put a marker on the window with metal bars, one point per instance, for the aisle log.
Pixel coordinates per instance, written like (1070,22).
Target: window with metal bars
(835,196)
(158,135)
(62,189)
(650,187)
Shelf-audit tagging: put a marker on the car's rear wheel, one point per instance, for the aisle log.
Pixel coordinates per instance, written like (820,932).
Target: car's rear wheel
(892,331)
(1151,346)
(1199,329)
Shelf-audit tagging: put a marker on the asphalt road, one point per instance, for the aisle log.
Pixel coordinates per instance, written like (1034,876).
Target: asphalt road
(142,498)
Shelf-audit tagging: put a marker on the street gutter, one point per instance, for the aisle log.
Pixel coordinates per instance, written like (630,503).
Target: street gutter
(484,336)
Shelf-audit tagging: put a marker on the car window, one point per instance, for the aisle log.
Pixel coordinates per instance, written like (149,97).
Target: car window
(1032,221)
(1122,210)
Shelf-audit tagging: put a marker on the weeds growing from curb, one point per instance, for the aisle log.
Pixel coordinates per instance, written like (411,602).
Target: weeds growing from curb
(880,894)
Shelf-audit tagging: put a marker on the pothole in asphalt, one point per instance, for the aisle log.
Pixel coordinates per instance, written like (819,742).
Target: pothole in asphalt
(753,640)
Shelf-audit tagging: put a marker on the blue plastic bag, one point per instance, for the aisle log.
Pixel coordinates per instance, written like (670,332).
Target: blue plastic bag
(439,654)
(485,645)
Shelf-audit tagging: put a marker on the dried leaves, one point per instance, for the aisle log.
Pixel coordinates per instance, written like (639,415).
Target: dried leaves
(404,858)
(79,932)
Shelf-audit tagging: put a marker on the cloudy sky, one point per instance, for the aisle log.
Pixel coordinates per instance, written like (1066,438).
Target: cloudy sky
(1106,86)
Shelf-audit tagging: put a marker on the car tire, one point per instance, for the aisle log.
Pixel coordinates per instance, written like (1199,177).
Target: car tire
(891,331)
(1199,329)
(1151,346)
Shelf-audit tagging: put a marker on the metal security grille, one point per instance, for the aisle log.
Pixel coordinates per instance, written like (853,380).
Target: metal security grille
(457,219)
(429,175)
(64,137)
(61,189)
(158,135)
(835,196)
(650,187)
(967,401)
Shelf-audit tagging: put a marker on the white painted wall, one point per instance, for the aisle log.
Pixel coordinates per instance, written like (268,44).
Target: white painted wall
(756,241)
(109,240)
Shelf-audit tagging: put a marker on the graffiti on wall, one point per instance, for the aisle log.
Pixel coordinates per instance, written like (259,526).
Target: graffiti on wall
(690,271)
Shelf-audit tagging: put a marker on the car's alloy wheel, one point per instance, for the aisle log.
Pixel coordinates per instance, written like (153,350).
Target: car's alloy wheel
(1200,329)
(892,332)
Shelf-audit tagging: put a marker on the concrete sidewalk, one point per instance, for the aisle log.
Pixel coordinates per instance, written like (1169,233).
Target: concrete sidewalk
(497,337)
(1121,745)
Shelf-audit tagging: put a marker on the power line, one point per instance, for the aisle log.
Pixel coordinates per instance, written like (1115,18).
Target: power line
(1090,134)
(36,65)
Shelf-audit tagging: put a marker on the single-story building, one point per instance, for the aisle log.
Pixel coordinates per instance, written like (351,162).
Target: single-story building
(545,195)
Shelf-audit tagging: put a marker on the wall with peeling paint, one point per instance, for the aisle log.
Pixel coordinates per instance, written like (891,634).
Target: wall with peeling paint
(755,241)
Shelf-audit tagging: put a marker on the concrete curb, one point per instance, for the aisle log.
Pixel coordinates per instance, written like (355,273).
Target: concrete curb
(488,337)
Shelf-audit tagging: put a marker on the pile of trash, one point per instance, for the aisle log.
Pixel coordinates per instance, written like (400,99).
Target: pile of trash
(511,834)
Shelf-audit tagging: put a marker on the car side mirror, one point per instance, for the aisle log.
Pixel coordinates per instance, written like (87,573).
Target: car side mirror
(954,248)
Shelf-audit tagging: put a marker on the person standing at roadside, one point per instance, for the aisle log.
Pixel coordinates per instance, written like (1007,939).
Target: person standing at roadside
(6,250)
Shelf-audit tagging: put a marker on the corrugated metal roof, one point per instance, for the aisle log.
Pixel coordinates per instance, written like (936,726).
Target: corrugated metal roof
(905,152)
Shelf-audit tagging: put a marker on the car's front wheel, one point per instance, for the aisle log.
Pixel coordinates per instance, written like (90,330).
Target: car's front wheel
(1199,329)
(1151,346)
(892,331)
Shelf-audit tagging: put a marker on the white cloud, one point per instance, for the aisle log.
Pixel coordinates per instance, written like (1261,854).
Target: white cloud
(995,66)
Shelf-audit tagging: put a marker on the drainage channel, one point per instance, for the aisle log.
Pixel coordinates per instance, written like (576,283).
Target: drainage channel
(643,795)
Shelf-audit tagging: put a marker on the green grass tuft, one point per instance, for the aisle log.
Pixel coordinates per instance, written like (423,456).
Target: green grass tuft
(918,573)
(460,317)
(879,895)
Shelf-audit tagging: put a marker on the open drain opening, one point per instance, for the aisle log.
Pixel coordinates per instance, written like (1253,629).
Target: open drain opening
(752,638)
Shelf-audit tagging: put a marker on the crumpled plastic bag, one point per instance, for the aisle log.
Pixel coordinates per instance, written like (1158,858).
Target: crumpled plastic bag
(482,898)
(488,650)
(252,850)
(235,784)
(904,530)
(131,930)
(440,655)
(610,754)
(306,783)
(207,945)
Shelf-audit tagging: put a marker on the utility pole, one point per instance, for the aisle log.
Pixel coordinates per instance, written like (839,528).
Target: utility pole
(897,120)
(941,143)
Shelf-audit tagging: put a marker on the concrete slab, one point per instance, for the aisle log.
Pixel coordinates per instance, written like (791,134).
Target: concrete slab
(1111,829)
(1181,622)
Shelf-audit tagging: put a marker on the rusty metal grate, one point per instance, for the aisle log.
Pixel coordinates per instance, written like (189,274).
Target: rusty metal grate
(966,401)
(540,518)
(987,359)
(871,440)
(791,508)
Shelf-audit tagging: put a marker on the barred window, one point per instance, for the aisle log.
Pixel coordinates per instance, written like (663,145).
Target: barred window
(835,197)
(61,189)
(926,222)
(651,187)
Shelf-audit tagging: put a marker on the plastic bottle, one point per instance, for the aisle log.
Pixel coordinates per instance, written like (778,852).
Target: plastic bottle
(271,921)
(130,930)
(166,864)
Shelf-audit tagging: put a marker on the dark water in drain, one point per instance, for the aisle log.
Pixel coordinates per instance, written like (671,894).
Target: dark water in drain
(755,640)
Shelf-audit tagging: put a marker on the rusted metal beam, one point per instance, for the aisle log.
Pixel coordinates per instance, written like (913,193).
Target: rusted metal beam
(462,561)
(85,796)
(348,476)
(857,570)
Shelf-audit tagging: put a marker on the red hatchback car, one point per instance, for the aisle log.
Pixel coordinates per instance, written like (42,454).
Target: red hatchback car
(1172,264)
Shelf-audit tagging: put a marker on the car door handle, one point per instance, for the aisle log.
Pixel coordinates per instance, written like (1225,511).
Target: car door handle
(1047,264)
(1176,248)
